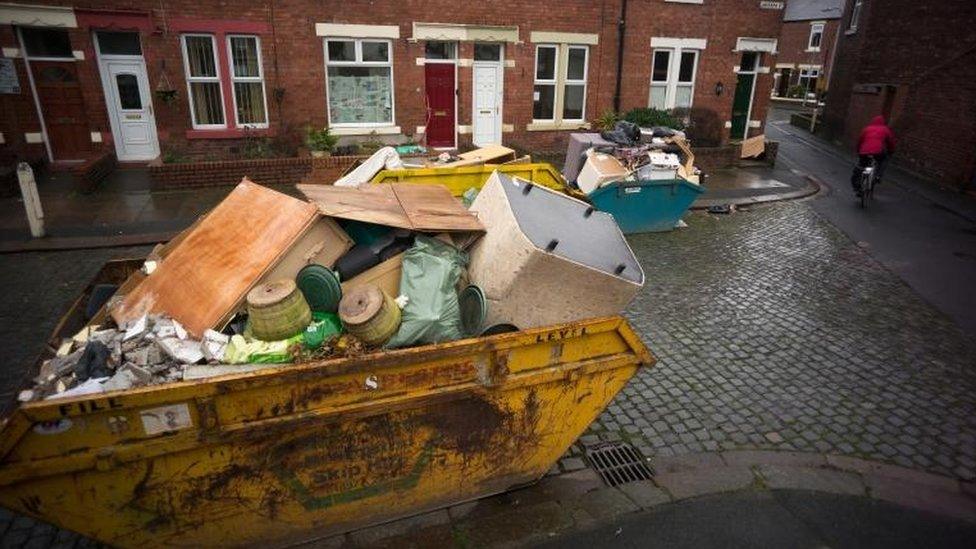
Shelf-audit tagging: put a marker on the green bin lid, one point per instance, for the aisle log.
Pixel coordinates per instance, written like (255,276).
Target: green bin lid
(321,288)
(474,309)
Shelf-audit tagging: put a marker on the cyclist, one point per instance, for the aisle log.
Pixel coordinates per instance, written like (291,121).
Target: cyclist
(877,141)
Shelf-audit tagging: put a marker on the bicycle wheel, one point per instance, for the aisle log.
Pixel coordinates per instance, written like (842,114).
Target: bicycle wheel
(865,189)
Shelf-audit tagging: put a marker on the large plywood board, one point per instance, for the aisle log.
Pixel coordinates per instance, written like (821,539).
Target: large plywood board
(492,154)
(428,208)
(205,277)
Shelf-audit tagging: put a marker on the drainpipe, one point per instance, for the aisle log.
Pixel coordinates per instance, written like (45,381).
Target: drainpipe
(621,29)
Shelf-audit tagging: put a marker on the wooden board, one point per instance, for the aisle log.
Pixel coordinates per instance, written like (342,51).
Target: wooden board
(753,147)
(427,208)
(205,277)
(492,154)
(371,203)
(386,276)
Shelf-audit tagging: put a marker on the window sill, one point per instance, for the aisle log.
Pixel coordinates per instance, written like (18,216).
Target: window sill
(230,133)
(849,32)
(555,126)
(366,130)
(813,50)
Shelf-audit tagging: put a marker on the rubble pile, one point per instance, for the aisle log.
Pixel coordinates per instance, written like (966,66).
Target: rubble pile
(151,350)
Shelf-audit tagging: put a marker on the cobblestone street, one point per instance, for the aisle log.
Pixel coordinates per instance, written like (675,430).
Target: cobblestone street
(773,330)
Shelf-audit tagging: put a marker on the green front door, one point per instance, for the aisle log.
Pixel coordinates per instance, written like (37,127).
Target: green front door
(740,105)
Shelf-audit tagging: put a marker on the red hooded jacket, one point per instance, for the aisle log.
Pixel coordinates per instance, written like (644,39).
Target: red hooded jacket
(876,138)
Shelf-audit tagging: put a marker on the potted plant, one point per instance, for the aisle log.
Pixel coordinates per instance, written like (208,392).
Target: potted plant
(320,142)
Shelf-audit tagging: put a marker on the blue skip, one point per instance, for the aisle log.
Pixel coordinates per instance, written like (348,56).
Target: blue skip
(648,205)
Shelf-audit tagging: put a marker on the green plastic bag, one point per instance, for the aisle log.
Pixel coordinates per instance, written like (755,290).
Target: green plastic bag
(323,327)
(430,273)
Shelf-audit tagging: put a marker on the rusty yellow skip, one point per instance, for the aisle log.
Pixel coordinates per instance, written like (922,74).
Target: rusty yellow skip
(297,452)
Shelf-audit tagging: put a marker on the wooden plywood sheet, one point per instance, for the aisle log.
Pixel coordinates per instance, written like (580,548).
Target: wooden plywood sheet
(428,208)
(492,154)
(434,208)
(753,147)
(370,203)
(205,277)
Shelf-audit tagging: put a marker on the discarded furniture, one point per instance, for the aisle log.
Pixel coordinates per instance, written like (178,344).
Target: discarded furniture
(598,170)
(579,143)
(205,277)
(547,257)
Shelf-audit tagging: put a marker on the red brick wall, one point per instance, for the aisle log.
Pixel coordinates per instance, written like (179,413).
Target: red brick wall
(721,23)
(293,60)
(924,56)
(794,38)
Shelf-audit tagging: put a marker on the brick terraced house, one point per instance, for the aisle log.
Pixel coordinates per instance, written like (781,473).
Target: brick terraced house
(806,47)
(915,63)
(203,78)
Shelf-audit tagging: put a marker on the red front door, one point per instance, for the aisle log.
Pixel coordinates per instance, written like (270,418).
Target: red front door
(63,107)
(441,98)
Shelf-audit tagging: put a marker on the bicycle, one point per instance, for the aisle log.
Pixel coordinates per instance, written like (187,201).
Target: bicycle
(869,175)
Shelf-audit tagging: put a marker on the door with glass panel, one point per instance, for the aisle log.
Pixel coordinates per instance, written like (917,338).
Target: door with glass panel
(127,97)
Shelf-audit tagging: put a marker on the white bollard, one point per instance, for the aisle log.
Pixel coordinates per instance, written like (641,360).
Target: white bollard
(32,202)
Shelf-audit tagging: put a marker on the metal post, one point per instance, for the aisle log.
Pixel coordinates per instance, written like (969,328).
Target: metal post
(32,202)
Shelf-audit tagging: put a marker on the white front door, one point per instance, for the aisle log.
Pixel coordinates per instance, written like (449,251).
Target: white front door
(487,103)
(130,110)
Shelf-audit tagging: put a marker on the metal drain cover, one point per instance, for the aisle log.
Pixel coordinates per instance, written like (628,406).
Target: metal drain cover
(618,463)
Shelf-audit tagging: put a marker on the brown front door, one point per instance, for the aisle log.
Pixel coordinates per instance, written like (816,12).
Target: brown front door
(59,93)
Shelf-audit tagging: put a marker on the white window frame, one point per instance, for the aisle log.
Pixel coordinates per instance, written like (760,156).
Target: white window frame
(191,79)
(259,78)
(855,16)
(807,74)
(560,78)
(575,82)
(358,62)
(674,70)
(815,29)
(554,82)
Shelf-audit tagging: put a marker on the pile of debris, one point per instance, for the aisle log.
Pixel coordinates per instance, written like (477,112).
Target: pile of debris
(265,278)
(151,350)
(628,152)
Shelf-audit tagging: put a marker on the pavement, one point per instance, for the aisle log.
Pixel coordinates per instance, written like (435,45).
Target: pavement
(805,395)
(750,185)
(122,211)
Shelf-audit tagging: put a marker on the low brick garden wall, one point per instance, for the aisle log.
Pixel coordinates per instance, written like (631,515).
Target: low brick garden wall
(90,173)
(270,171)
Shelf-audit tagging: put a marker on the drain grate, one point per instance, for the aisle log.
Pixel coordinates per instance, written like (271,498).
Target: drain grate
(618,463)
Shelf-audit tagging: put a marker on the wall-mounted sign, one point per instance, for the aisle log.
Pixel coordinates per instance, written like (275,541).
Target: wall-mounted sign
(769,5)
(9,83)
